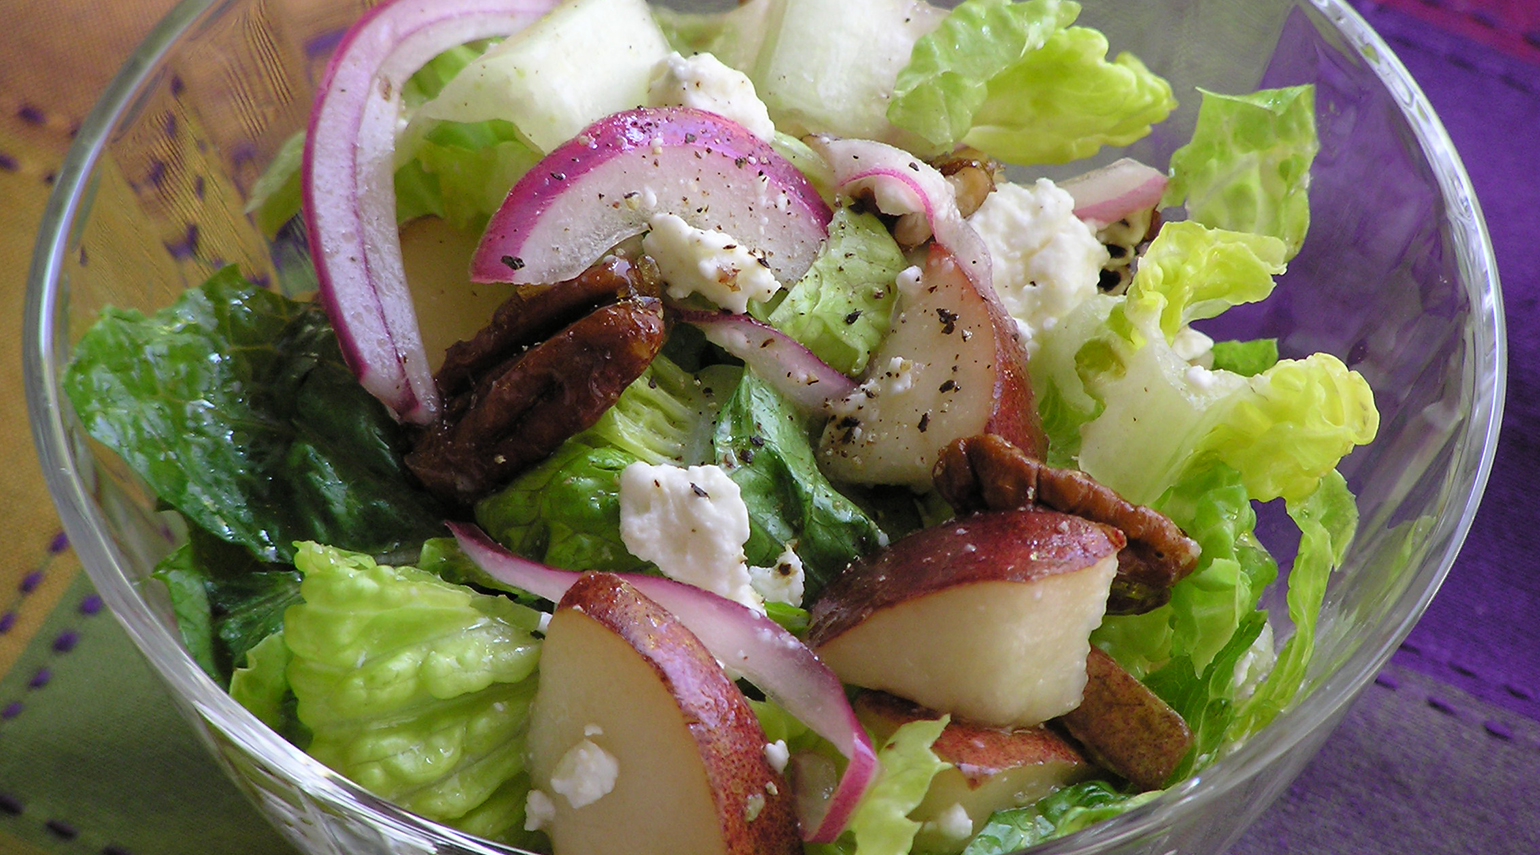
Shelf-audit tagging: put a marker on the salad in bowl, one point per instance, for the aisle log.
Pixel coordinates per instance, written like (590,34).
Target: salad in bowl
(707,433)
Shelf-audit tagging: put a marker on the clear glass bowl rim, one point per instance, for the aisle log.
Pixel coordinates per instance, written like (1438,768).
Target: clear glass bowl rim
(86,529)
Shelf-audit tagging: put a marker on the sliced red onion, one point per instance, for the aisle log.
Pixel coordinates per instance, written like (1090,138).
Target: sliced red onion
(349,191)
(1114,191)
(900,184)
(605,184)
(781,360)
(750,644)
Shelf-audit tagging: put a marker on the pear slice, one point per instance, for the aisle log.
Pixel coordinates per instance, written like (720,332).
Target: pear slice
(992,769)
(987,617)
(640,744)
(1127,727)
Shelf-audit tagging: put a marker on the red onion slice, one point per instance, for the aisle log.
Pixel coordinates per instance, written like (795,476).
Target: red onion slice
(759,649)
(784,362)
(349,192)
(1114,191)
(606,183)
(901,183)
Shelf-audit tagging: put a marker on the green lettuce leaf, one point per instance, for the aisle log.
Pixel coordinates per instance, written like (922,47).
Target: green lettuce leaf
(1247,167)
(1327,519)
(1192,273)
(564,512)
(841,307)
(947,78)
(262,687)
(762,445)
(1246,358)
(278,193)
(416,689)
(235,406)
(1064,101)
(880,823)
(1066,810)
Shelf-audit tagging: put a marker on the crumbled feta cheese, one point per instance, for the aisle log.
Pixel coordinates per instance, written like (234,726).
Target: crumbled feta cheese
(544,622)
(1200,378)
(539,811)
(692,523)
(585,774)
(778,754)
(709,263)
(591,729)
(955,823)
(1045,260)
(705,83)
(785,582)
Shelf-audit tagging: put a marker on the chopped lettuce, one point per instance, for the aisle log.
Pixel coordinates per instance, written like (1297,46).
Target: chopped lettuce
(1246,358)
(1016,81)
(841,307)
(1327,519)
(278,193)
(947,78)
(1062,812)
(565,511)
(1192,273)
(1247,167)
(880,823)
(761,443)
(417,689)
(263,688)
(235,406)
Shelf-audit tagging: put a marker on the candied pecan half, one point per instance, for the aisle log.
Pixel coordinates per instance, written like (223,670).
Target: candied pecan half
(989,473)
(522,410)
(535,312)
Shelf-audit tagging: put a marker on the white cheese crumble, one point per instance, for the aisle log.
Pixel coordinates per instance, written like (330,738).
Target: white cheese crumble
(955,823)
(539,811)
(784,582)
(585,774)
(706,262)
(1045,260)
(705,83)
(778,755)
(692,523)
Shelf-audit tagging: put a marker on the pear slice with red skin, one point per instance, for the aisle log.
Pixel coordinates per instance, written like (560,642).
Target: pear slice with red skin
(952,365)
(1127,727)
(993,768)
(691,775)
(987,617)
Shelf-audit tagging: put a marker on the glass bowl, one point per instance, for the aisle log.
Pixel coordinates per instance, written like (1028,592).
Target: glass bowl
(1397,278)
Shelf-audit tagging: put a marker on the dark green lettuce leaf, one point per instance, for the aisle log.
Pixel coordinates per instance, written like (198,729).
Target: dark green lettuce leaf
(1069,809)
(235,406)
(761,443)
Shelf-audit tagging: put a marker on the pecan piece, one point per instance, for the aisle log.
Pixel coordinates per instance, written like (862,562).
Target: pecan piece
(520,412)
(535,312)
(973,175)
(989,473)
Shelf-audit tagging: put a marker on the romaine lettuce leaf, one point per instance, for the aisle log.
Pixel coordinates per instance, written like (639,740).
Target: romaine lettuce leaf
(262,687)
(1064,811)
(841,307)
(1191,273)
(1247,167)
(1327,520)
(564,512)
(417,689)
(947,78)
(1246,358)
(235,406)
(1065,101)
(880,823)
(761,443)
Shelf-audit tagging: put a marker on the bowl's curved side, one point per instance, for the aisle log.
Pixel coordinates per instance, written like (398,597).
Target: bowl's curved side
(324,813)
